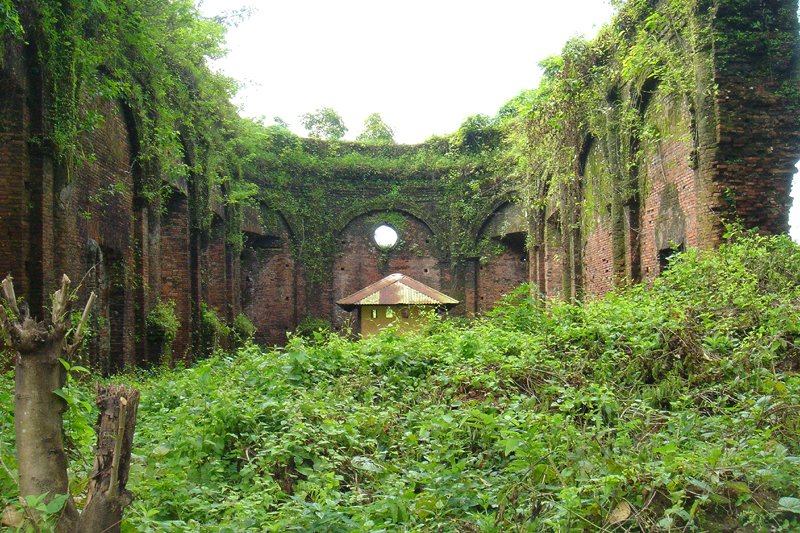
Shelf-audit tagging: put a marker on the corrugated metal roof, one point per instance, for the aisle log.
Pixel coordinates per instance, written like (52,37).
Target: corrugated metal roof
(396,289)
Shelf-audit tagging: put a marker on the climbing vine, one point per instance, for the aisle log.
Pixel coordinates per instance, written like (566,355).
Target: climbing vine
(313,182)
(9,21)
(148,55)
(572,148)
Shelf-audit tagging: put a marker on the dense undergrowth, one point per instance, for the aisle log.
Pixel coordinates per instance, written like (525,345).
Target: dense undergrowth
(673,406)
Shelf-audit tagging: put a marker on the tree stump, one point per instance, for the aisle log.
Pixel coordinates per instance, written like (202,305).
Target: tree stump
(39,415)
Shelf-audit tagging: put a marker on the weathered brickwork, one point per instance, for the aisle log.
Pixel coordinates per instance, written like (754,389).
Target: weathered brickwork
(505,267)
(176,266)
(756,139)
(269,285)
(553,259)
(599,258)
(215,270)
(15,169)
(670,215)
(359,261)
(716,155)
(499,276)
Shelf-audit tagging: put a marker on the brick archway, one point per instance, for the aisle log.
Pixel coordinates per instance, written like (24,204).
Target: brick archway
(359,261)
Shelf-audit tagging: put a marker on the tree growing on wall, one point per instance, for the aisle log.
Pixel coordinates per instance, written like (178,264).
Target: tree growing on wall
(324,123)
(376,130)
(278,121)
(43,350)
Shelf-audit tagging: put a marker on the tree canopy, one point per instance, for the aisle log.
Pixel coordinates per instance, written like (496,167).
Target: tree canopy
(324,123)
(376,130)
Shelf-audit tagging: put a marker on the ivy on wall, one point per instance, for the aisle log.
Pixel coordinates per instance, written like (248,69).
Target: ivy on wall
(608,97)
(148,55)
(578,140)
(319,186)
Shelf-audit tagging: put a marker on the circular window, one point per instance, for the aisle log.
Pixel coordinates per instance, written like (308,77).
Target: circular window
(385,237)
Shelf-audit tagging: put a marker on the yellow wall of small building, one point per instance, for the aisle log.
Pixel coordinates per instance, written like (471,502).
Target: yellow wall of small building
(371,326)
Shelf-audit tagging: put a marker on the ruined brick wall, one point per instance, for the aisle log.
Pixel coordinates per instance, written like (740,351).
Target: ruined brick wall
(359,261)
(756,139)
(289,275)
(215,270)
(598,258)
(505,266)
(94,221)
(719,153)
(499,276)
(80,225)
(553,258)
(669,217)
(175,267)
(670,214)
(598,252)
(269,285)
(20,183)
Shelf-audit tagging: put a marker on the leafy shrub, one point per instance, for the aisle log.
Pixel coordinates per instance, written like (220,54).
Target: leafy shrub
(656,408)
(214,332)
(313,327)
(243,330)
(162,328)
(8,460)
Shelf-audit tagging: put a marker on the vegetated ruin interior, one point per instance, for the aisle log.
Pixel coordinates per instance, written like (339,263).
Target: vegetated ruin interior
(622,386)
(138,178)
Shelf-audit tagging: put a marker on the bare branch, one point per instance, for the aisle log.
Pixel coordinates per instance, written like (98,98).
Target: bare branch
(78,338)
(11,297)
(61,302)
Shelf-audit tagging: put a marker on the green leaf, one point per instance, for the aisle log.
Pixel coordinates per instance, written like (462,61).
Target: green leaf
(56,504)
(34,500)
(366,464)
(789,504)
(62,394)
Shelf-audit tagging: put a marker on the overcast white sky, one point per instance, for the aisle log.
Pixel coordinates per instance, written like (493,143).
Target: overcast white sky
(424,65)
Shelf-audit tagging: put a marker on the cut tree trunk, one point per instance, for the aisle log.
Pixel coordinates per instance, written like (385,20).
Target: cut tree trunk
(39,412)
(107,496)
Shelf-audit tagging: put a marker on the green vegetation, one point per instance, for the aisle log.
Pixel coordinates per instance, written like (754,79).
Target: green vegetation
(673,406)
(162,328)
(214,332)
(376,130)
(243,330)
(9,20)
(339,180)
(324,123)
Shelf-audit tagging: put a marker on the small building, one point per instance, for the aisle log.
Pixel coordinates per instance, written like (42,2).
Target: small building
(396,299)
